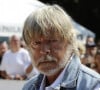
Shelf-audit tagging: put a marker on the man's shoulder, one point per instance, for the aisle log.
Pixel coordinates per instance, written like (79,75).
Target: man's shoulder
(23,50)
(89,72)
(7,52)
(88,79)
(30,83)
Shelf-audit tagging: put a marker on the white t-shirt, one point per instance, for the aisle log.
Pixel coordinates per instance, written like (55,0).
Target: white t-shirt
(15,63)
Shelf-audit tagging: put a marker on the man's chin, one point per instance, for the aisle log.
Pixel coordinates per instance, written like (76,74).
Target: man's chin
(49,72)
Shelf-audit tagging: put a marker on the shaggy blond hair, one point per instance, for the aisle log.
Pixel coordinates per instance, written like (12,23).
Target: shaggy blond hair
(52,19)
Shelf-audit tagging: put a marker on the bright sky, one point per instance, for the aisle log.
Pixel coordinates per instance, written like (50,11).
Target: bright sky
(15,11)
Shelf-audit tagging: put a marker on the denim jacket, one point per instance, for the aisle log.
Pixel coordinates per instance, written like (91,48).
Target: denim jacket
(76,77)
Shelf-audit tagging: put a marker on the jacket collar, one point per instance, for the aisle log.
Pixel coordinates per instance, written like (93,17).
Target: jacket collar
(71,73)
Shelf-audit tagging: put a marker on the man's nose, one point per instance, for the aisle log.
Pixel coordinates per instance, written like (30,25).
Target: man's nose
(45,49)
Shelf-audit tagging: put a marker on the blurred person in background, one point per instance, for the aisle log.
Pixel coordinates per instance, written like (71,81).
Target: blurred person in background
(51,38)
(15,61)
(97,62)
(3,49)
(98,44)
(89,56)
(90,39)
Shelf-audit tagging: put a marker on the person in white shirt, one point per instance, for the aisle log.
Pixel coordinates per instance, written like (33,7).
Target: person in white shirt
(52,42)
(15,61)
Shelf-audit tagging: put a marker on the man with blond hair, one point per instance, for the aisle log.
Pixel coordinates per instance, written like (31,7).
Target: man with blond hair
(51,38)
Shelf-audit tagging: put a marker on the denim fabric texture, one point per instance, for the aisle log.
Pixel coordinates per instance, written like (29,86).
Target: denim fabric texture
(76,77)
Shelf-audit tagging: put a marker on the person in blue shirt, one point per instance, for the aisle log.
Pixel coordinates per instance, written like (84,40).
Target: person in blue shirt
(52,42)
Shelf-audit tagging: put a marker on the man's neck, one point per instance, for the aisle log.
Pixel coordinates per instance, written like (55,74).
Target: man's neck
(15,50)
(50,79)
